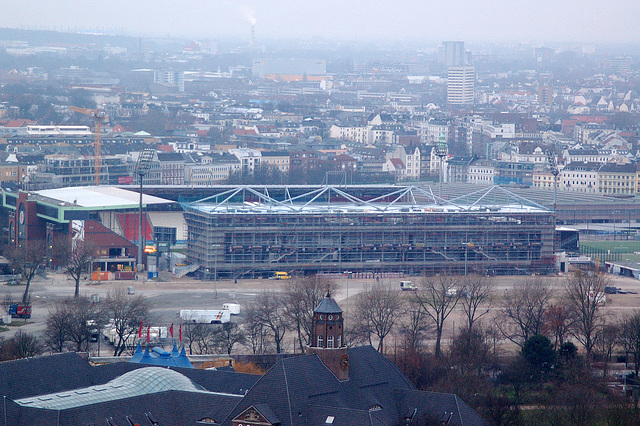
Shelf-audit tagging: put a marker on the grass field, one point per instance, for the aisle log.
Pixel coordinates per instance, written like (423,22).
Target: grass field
(627,247)
(625,250)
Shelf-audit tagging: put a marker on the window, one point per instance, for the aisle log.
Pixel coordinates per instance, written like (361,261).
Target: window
(339,342)
(330,342)
(320,341)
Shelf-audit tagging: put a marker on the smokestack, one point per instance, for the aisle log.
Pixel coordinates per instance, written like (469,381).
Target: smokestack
(253,34)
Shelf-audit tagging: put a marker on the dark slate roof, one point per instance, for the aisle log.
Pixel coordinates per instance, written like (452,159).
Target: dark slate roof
(221,381)
(213,381)
(586,166)
(268,414)
(296,391)
(617,168)
(275,154)
(42,375)
(328,306)
(170,156)
(296,384)
(303,391)
(317,415)
(70,371)
(434,407)
(586,151)
(166,408)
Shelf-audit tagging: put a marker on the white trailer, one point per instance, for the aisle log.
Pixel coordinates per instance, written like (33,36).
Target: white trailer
(233,308)
(206,316)
(156,334)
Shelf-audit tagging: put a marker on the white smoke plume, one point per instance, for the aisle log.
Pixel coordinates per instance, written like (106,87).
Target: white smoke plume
(249,15)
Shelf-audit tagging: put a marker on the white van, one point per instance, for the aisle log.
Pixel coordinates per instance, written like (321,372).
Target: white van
(233,308)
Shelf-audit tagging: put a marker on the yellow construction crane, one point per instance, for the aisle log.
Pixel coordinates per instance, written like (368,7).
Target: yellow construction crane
(99,117)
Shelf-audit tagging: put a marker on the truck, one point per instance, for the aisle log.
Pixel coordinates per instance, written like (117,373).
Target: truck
(109,332)
(408,286)
(233,308)
(20,311)
(206,316)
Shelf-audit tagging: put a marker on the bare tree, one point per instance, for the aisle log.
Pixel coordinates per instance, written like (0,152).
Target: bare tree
(630,337)
(476,303)
(267,314)
(256,332)
(76,257)
(378,308)
(522,310)
(227,336)
(125,314)
(7,301)
(414,325)
(558,321)
(438,296)
(21,345)
(608,341)
(584,294)
(73,321)
(27,259)
(199,337)
(56,333)
(302,296)
(470,351)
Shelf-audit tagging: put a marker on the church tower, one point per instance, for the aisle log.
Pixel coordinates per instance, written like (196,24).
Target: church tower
(327,337)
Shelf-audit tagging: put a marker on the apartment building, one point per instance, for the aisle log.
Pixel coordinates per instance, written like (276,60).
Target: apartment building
(276,159)
(617,179)
(461,85)
(580,177)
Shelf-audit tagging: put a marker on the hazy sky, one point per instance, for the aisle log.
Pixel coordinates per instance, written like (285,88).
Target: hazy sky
(479,20)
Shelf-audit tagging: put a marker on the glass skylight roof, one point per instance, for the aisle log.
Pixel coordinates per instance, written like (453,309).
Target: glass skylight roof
(141,381)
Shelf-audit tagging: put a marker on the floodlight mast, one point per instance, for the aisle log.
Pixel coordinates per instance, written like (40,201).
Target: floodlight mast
(553,168)
(143,165)
(441,152)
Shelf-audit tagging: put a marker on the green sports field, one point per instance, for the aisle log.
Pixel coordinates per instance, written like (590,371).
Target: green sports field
(626,249)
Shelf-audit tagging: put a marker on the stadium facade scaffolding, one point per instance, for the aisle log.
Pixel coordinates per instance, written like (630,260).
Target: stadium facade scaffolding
(255,230)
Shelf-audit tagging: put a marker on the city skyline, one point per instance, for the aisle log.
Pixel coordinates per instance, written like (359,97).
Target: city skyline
(542,21)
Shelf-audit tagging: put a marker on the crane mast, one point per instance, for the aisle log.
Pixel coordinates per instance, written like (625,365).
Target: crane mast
(98,116)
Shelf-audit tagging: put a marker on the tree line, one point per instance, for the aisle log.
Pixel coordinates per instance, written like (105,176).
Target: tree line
(547,379)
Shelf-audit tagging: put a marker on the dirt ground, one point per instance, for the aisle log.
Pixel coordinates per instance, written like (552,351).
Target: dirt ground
(169,295)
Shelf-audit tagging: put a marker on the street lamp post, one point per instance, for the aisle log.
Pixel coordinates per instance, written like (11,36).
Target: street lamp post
(466,250)
(215,270)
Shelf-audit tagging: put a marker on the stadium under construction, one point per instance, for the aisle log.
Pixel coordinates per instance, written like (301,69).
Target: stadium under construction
(255,230)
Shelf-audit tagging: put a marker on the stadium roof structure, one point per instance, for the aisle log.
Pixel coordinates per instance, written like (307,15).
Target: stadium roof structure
(98,197)
(357,199)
